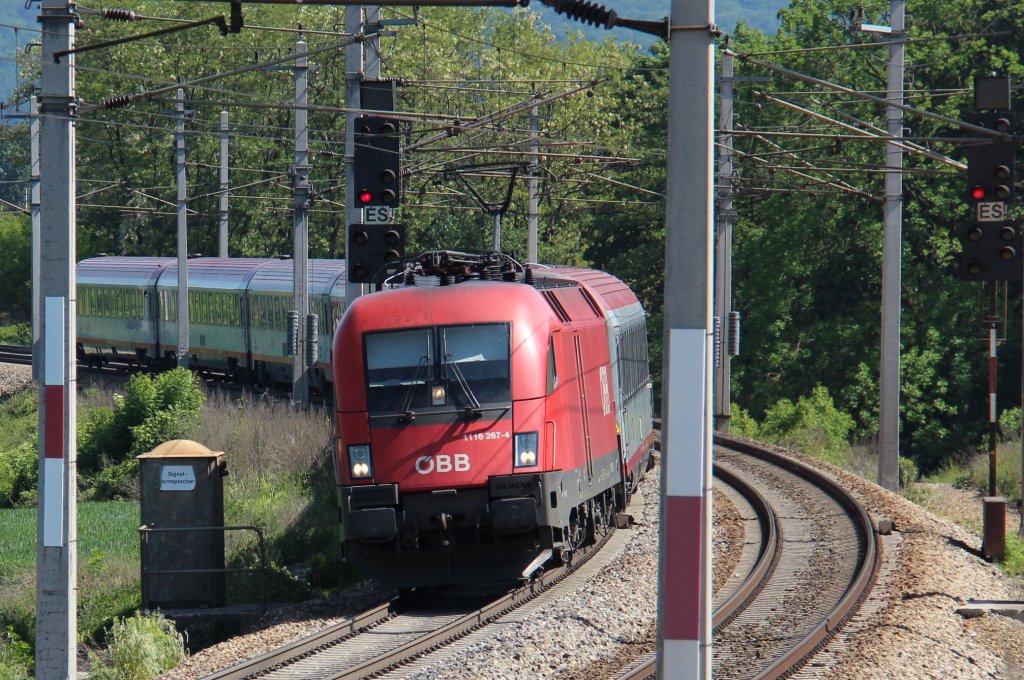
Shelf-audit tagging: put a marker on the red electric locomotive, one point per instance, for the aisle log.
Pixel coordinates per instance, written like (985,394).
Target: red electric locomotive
(490,418)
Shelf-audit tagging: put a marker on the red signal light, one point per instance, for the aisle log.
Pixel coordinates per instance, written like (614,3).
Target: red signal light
(978,193)
(365,197)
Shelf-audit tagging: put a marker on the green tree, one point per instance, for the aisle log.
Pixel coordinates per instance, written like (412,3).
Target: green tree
(15,268)
(152,411)
(807,258)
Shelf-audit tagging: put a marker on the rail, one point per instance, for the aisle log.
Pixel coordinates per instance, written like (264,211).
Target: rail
(857,591)
(768,556)
(423,644)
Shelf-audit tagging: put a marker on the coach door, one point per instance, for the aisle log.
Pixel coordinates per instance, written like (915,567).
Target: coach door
(577,346)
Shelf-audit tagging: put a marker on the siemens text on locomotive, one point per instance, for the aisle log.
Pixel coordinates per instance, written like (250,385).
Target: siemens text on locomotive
(489,418)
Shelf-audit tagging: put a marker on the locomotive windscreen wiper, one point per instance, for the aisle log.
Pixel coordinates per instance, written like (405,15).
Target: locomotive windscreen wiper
(474,405)
(407,413)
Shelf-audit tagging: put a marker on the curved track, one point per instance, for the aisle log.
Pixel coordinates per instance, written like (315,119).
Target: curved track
(397,632)
(817,560)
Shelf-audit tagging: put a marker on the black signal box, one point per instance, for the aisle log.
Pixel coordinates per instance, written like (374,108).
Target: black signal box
(991,251)
(377,161)
(374,251)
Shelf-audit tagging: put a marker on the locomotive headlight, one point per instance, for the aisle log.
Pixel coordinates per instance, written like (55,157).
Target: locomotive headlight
(359,461)
(437,395)
(525,449)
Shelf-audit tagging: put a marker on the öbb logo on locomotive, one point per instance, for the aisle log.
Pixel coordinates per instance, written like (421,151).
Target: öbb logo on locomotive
(458,462)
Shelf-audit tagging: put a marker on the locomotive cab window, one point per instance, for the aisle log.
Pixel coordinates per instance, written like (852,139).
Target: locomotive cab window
(441,368)
(399,365)
(475,359)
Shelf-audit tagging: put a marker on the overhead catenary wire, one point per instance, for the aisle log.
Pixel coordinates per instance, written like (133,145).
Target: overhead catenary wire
(879,100)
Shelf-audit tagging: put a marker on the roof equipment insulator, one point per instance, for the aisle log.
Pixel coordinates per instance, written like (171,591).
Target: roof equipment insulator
(445,279)
(410,278)
(528,278)
(508,275)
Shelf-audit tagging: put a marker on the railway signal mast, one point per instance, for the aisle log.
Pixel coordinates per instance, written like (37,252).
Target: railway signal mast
(991,240)
(991,252)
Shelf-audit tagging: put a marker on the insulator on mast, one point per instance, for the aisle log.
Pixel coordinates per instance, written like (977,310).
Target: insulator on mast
(734,334)
(119,15)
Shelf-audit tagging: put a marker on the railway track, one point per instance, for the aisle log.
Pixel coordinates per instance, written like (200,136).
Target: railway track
(16,354)
(398,632)
(816,559)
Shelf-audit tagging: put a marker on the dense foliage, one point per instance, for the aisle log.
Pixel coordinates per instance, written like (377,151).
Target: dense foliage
(152,411)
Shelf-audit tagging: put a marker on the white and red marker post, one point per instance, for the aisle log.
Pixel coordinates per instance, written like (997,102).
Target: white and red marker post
(684,583)
(54,290)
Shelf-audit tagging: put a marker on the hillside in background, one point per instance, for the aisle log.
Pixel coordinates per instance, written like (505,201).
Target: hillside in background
(759,14)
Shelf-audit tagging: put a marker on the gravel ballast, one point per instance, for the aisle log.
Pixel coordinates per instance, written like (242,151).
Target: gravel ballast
(14,378)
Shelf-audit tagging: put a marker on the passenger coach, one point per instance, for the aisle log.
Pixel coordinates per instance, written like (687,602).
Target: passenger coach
(238,313)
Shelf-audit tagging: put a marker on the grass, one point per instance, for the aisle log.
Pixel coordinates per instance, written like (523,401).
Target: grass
(1013,561)
(20,419)
(108,565)
(16,334)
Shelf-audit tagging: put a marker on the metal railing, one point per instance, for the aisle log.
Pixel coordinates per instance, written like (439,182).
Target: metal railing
(145,531)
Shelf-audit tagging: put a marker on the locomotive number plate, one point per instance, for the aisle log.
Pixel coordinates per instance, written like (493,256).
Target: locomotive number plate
(485,436)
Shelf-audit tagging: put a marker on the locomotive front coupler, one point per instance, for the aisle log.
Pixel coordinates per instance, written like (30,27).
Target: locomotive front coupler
(447,537)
